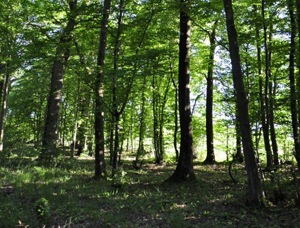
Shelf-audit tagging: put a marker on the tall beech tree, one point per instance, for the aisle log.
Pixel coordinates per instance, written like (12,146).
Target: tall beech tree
(184,169)
(99,94)
(265,106)
(50,137)
(210,157)
(255,192)
(293,95)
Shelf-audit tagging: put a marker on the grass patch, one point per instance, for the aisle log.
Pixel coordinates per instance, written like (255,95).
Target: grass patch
(68,196)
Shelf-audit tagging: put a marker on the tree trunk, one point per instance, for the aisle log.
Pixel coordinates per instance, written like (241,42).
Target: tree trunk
(84,101)
(175,112)
(140,150)
(50,137)
(272,93)
(160,158)
(75,130)
(238,156)
(298,62)
(116,114)
(293,96)
(255,192)
(98,90)
(210,157)
(155,119)
(184,170)
(265,95)
(4,94)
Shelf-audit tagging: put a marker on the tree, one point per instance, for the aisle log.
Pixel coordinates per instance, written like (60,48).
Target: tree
(50,137)
(293,95)
(255,192)
(10,25)
(184,169)
(210,157)
(98,93)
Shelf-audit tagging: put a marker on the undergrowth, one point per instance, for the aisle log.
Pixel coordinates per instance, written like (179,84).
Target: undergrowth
(68,196)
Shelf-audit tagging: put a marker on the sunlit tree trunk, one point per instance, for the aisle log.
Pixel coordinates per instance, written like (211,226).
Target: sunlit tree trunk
(184,170)
(3,97)
(98,93)
(210,157)
(140,150)
(175,112)
(255,193)
(160,158)
(155,118)
(272,92)
(50,137)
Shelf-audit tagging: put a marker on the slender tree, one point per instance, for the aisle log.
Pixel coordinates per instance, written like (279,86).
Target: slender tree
(3,98)
(255,193)
(184,170)
(210,157)
(98,93)
(175,110)
(265,112)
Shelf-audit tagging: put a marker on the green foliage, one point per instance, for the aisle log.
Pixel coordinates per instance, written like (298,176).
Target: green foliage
(42,210)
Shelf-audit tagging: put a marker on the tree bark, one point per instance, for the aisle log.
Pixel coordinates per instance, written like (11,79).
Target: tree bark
(160,157)
(98,91)
(3,95)
(50,136)
(255,192)
(238,156)
(175,113)
(184,170)
(265,106)
(210,156)
(140,150)
(293,96)
(155,118)
(272,92)
(298,62)
(115,112)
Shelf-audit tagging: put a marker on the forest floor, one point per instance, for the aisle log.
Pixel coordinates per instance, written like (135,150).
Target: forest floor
(67,196)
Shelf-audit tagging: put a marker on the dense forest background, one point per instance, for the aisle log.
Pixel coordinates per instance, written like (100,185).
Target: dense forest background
(145,79)
(125,79)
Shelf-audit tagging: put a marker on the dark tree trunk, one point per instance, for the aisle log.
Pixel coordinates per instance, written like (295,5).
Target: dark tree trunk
(265,106)
(184,170)
(115,113)
(255,192)
(210,157)
(293,96)
(4,85)
(140,150)
(238,157)
(155,119)
(298,62)
(272,123)
(98,90)
(50,137)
